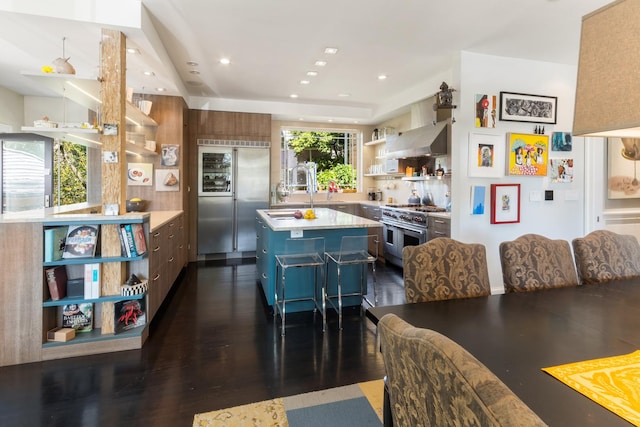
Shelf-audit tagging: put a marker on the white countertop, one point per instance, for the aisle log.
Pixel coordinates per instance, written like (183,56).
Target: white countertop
(325,219)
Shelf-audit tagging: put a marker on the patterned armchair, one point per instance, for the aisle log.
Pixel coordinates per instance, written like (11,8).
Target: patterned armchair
(533,262)
(444,268)
(603,255)
(432,381)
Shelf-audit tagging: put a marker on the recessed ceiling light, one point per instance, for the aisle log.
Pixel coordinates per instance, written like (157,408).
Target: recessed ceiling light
(330,120)
(192,63)
(321,63)
(160,89)
(304,82)
(132,50)
(301,118)
(312,73)
(382,77)
(225,61)
(293,95)
(331,50)
(148,73)
(344,95)
(194,72)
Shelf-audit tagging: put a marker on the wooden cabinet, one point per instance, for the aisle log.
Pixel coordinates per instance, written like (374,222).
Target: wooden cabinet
(439,227)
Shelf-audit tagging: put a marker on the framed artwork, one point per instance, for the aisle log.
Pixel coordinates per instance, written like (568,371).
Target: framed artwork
(622,169)
(170,155)
(167,179)
(140,174)
(477,199)
(486,155)
(521,107)
(527,154)
(505,203)
(561,170)
(486,106)
(561,141)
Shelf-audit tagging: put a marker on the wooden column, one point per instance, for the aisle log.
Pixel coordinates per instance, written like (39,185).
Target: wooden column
(113,94)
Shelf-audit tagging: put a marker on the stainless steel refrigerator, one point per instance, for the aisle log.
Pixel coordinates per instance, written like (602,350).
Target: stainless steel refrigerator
(232,183)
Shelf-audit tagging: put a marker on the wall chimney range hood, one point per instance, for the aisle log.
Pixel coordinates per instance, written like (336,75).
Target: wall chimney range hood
(429,140)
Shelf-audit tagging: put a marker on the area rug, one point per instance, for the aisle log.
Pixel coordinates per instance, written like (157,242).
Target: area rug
(356,405)
(613,382)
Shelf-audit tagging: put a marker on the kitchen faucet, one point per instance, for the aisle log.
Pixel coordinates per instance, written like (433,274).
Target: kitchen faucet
(309,169)
(332,188)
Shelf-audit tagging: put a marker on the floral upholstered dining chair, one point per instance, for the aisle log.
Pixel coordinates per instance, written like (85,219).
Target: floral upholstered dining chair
(444,268)
(603,255)
(433,381)
(533,262)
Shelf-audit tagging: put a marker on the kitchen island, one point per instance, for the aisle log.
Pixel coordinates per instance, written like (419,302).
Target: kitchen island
(275,226)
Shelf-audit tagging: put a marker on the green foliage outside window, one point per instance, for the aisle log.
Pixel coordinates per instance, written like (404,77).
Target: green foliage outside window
(327,150)
(69,173)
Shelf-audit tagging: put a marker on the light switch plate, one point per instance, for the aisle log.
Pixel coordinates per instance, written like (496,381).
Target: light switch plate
(296,234)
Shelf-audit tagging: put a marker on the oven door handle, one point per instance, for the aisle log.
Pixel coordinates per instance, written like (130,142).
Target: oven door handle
(405,227)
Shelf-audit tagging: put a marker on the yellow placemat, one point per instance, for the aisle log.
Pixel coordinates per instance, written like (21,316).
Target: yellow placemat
(613,382)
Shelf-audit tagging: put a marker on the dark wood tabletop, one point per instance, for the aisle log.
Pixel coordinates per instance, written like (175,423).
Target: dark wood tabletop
(517,334)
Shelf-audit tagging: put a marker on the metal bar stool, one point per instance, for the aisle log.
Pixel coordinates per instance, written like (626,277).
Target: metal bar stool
(354,250)
(300,253)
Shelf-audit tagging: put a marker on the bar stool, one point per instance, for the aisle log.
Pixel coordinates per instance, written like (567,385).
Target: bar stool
(300,253)
(354,250)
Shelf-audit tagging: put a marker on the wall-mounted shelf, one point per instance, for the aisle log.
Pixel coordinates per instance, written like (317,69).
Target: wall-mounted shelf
(376,142)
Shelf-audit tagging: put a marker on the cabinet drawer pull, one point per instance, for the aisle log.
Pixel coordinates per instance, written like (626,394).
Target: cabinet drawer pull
(156,234)
(264,251)
(157,277)
(438,221)
(439,232)
(171,236)
(156,249)
(171,259)
(264,275)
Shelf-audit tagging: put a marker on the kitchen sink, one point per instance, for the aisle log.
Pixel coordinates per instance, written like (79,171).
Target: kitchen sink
(281,214)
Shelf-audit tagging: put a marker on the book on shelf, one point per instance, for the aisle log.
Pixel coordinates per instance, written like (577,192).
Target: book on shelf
(132,240)
(57,282)
(139,239)
(92,281)
(54,239)
(129,314)
(78,316)
(81,241)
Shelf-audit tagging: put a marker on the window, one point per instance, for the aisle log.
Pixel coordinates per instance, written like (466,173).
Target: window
(335,153)
(69,173)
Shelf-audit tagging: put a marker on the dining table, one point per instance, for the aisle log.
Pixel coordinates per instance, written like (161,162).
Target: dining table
(515,335)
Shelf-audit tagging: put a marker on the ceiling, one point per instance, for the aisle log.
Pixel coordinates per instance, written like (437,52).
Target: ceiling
(273,44)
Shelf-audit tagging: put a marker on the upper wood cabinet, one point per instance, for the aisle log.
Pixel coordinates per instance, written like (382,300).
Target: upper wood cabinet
(231,125)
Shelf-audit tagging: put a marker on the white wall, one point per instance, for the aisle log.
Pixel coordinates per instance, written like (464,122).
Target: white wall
(11,111)
(557,219)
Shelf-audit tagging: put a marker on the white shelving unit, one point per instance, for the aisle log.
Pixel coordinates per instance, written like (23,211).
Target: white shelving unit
(86,92)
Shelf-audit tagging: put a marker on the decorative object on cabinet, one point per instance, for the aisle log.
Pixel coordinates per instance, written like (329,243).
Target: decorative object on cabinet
(140,174)
(486,155)
(522,107)
(477,199)
(561,170)
(528,154)
(167,179)
(561,141)
(486,110)
(444,98)
(505,203)
(622,168)
(81,241)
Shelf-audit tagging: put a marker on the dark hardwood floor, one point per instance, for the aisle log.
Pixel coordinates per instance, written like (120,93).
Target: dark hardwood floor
(214,344)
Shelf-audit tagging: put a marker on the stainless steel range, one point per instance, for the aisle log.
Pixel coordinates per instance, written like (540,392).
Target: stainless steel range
(404,225)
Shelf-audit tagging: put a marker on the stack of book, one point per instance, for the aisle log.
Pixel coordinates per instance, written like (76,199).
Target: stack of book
(132,240)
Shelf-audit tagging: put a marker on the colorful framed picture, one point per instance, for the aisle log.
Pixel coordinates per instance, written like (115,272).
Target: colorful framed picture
(527,154)
(561,170)
(561,141)
(486,106)
(522,107)
(140,174)
(622,169)
(505,203)
(486,155)
(477,199)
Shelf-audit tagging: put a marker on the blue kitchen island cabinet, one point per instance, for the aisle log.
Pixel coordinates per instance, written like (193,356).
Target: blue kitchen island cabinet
(275,226)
